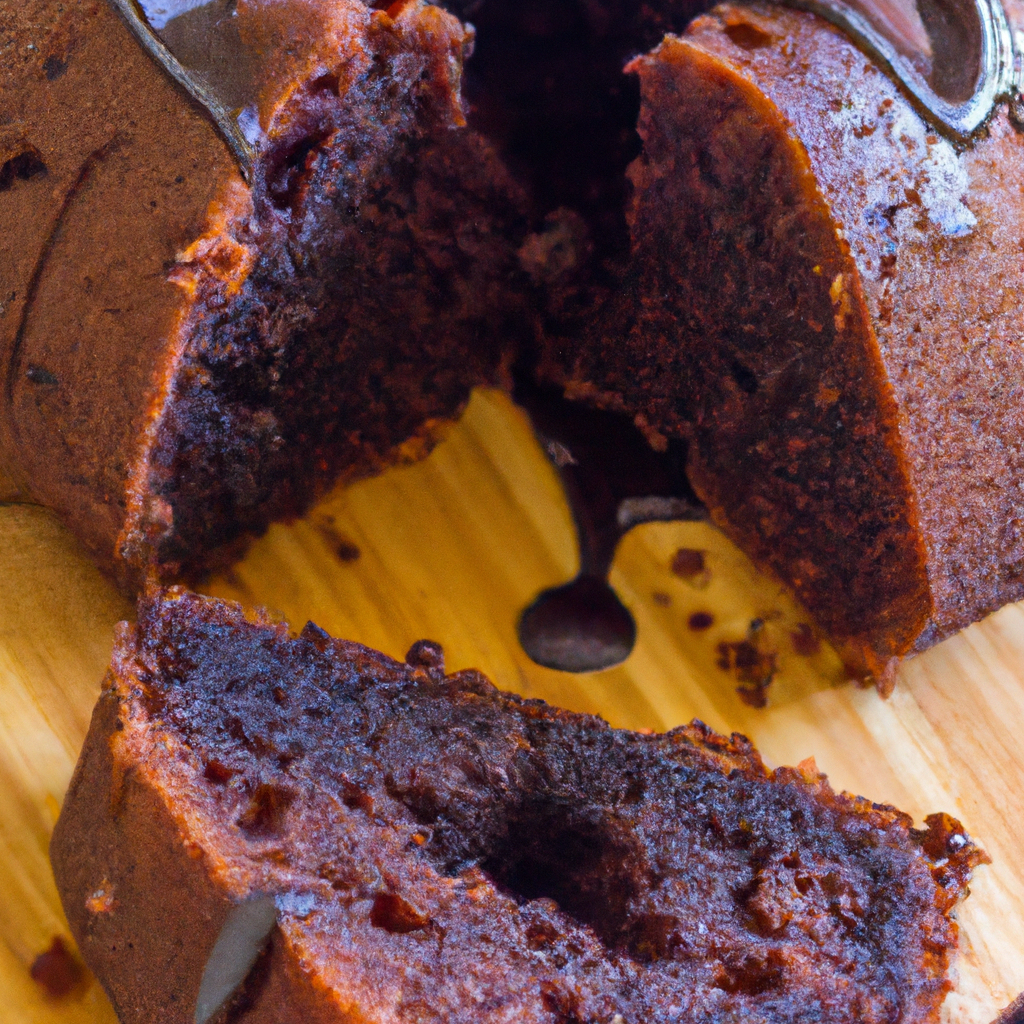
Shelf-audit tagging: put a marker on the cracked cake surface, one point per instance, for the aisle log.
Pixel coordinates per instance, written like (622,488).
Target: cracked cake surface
(438,850)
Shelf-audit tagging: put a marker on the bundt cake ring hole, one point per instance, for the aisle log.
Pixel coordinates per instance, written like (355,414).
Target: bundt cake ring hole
(545,84)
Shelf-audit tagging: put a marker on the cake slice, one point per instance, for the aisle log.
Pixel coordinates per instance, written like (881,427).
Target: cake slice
(826,307)
(381,842)
(187,355)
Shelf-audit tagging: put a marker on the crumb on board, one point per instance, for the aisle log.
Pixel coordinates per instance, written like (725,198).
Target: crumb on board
(57,971)
(753,667)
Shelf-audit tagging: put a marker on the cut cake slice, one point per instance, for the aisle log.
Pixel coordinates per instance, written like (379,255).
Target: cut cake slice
(423,847)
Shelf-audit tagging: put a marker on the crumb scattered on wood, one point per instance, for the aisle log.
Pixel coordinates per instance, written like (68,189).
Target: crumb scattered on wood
(753,667)
(57,971)
(690,564)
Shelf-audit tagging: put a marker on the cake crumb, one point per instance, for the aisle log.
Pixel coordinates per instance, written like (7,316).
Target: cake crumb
(57,971)
(102,900)
(805,641)
(699,621)
(690,564)
(753,667)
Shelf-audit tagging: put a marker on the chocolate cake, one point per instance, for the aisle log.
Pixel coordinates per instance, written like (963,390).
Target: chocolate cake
(830,319)
(416,846)
(189,351)
(187,355)
(771,294)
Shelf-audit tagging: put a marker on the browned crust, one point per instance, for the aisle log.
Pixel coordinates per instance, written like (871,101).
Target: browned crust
(130,174)
(141,864)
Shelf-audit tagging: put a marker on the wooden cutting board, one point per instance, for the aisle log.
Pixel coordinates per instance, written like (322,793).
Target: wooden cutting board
(452,549)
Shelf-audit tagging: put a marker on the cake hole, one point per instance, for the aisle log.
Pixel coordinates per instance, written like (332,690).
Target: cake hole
(267,808)
(744,377)
(754,976)
(397,915)
(635,791)
(588,870)
(217,772)
(285,178)
(326,83)
(355,798)
(25,166)
(747,36)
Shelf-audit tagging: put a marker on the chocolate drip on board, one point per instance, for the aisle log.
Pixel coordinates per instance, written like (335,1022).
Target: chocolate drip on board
(613,480)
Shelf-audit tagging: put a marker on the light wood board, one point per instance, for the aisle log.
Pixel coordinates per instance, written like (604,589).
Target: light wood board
(452,549)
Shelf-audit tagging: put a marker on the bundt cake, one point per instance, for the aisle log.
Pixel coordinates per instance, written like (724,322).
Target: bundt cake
(301,829)
(802,288)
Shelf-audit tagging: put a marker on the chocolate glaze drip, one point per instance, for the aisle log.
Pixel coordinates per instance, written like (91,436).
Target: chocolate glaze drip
(954,59)
(613,481)
(942,40)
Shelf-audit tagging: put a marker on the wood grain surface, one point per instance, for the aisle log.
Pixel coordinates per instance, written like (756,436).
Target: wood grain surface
(452,549)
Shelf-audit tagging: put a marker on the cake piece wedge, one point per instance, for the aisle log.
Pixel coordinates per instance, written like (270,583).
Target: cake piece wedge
(188,354)
(416,846)
(826,305)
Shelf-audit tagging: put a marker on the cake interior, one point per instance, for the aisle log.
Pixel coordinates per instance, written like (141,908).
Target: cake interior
(403,256)
(472,205)
(505,851)
(792,426)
